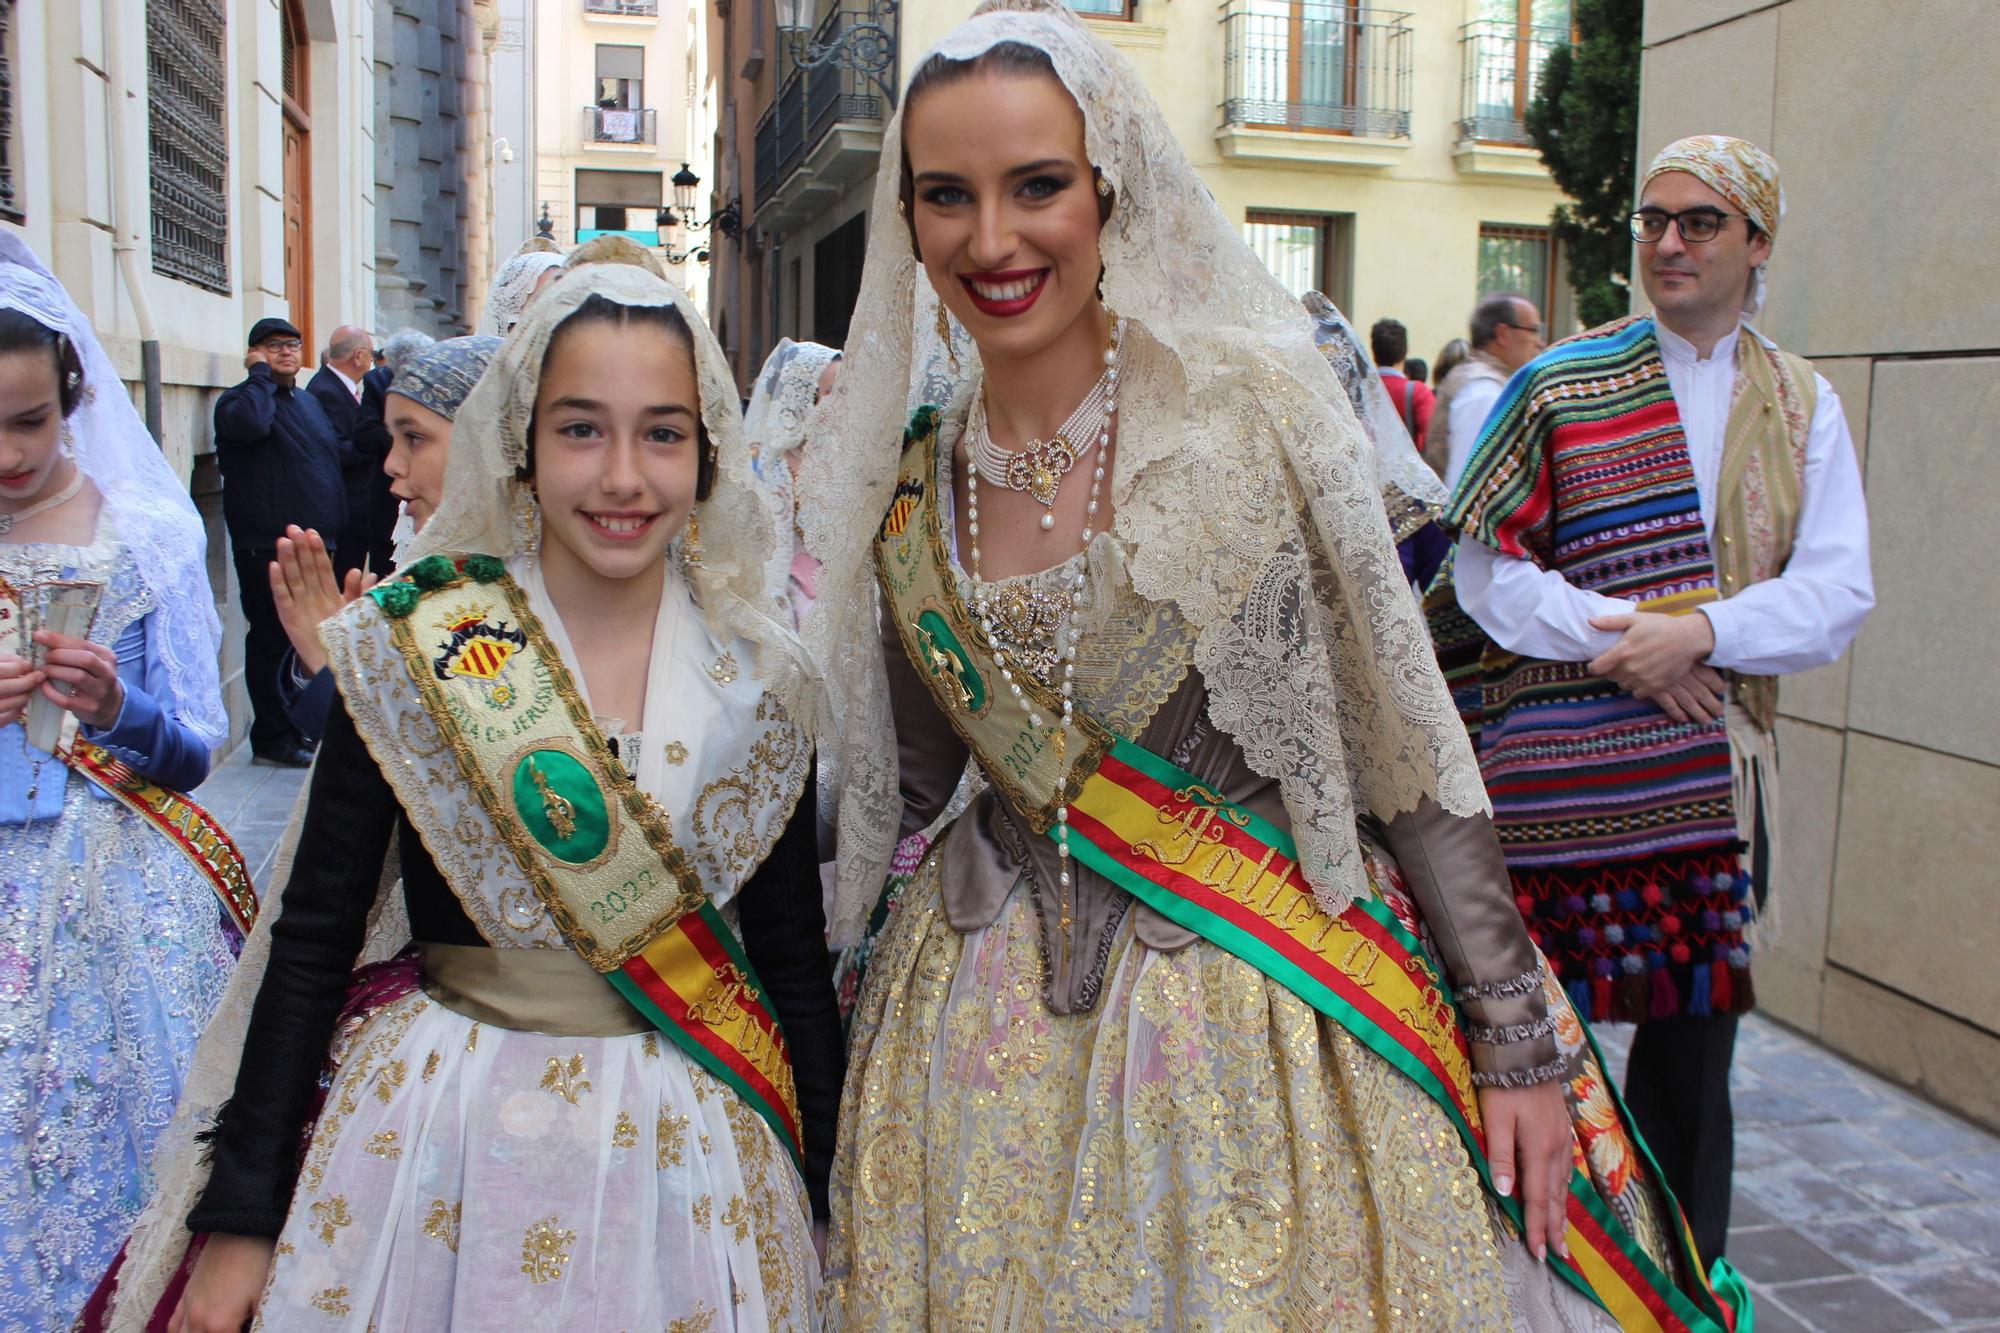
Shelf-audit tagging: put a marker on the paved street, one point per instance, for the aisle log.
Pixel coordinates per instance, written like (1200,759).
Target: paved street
(1859,1207)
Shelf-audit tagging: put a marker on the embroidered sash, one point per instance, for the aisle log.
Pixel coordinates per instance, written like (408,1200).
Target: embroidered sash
(597,850)
(1221,871)
(197,833)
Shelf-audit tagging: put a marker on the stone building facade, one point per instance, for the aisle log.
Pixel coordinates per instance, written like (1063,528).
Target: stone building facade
(1885,276)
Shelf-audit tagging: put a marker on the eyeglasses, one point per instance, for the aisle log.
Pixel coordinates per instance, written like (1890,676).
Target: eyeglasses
(1535,329)
(284,345)
(1696,224)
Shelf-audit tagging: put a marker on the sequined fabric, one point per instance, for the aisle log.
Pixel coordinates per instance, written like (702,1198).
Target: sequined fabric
(113,953)
(469,1176)
(1196,1149)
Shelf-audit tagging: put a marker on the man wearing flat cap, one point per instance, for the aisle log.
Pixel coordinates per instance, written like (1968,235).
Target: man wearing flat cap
(280,462)
(1661,517)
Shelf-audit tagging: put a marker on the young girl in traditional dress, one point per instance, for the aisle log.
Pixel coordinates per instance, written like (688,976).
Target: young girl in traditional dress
(593,1111)
(116,945)
(1160,1034)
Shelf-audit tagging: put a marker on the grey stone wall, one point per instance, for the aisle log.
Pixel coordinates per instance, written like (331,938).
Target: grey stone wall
(425,152)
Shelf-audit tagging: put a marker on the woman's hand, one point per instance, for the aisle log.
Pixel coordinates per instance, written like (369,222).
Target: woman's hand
(306,591)
(17,682)
(83,677)
(227,1282)
(1530,1144)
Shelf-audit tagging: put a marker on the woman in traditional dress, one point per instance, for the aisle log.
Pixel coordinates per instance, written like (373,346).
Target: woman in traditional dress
(1152,1039)
(789,387)
(116,947)
(585,1116)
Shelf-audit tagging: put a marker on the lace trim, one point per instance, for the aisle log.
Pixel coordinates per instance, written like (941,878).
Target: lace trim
(1504,989)
(1524,1078)
(1512,1032)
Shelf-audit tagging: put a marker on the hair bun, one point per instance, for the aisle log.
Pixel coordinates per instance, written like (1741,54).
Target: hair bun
(615,250)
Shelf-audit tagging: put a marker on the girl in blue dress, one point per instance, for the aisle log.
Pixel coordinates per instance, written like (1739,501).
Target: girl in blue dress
(115,946)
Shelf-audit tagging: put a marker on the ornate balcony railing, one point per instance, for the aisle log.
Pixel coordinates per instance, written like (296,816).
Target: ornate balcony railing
(1502,64)
(810,102)
(608,124)
(1317,65)
(636,9)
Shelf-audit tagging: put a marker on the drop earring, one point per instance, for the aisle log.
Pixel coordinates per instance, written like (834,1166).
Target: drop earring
(527,518)
(68,445)
(691,548)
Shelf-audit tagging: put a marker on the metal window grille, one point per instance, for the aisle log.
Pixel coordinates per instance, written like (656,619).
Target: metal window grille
(1502,66)
(187,102)
(1316,65)
(10,189)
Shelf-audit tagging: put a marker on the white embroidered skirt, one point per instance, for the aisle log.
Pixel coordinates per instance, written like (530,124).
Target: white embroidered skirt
(464,1176)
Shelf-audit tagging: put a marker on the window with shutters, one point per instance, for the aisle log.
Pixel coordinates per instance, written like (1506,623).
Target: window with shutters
(12,207)
(187,103)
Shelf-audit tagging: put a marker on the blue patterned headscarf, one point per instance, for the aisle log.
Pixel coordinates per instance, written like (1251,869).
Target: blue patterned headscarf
(441,376)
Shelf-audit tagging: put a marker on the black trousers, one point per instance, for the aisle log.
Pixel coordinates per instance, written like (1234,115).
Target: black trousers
(1677,1086)
(264,648)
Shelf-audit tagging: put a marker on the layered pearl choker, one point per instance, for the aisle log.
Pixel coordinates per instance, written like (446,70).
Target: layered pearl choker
(1040,468)
(980,455)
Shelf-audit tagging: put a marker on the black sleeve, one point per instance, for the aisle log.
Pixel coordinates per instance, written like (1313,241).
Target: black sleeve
(371,434)
(245,413)
(784,935)
(321,925)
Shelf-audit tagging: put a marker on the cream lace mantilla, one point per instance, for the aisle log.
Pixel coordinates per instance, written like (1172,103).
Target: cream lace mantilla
(1245,495)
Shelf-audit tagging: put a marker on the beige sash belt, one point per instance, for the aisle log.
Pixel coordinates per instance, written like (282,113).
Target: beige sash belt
(529,990)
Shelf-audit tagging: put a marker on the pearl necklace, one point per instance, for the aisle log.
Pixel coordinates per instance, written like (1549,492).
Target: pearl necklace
(1066,633)
(62,497)
(1039,469)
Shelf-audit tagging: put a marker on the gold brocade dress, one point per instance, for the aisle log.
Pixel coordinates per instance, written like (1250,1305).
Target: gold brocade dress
(1121,1126)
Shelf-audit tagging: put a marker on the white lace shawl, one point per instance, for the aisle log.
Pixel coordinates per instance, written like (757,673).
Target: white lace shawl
(777,422)
(1244,489)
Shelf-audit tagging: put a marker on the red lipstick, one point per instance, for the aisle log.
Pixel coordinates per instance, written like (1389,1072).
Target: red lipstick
(1007,308)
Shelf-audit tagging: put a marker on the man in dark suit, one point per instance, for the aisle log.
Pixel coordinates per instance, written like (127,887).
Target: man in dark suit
(281,464)
(371,437)
(349,355)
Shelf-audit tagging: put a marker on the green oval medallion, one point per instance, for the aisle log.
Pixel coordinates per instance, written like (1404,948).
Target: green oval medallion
(562,805)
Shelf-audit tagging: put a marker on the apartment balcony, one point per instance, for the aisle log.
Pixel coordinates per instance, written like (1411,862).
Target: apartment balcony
(628,126)
(1502,63)
(622,9)
(1311,83)
(823,132)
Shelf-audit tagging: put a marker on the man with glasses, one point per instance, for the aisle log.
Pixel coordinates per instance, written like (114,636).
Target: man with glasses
(1661,517)
(1506,335)
(280,462)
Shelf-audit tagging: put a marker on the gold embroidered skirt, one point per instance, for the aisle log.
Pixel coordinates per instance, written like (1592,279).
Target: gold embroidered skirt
(1199,1150)
(465,1176)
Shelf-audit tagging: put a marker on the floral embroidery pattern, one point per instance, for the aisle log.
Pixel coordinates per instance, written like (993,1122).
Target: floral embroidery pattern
(625,1131)
(329,1216)
(387,1145)
(545,1249)
(442,1223)
(333,1301)
(566,1080)
(671,1135)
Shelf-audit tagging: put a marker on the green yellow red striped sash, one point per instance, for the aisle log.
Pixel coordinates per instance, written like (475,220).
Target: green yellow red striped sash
(183,823)
(1221,871)
(598,851)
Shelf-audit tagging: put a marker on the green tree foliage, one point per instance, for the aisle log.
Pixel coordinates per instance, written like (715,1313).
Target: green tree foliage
(1585,121)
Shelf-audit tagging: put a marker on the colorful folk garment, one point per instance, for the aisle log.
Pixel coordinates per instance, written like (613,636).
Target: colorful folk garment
(599,851)
(1232,878)
(1618,823)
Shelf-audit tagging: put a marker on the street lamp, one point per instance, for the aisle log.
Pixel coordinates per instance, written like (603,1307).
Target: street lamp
(867,46)
(665,221)
(685,183)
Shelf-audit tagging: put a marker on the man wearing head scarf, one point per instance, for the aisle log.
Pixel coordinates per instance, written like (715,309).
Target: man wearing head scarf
(1661,518)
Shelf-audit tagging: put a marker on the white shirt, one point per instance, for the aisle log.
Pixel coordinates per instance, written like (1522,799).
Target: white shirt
(1469,408)
(353,386)
(1803,618)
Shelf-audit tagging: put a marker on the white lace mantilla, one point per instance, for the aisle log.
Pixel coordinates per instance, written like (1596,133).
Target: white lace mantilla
(1245,495)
